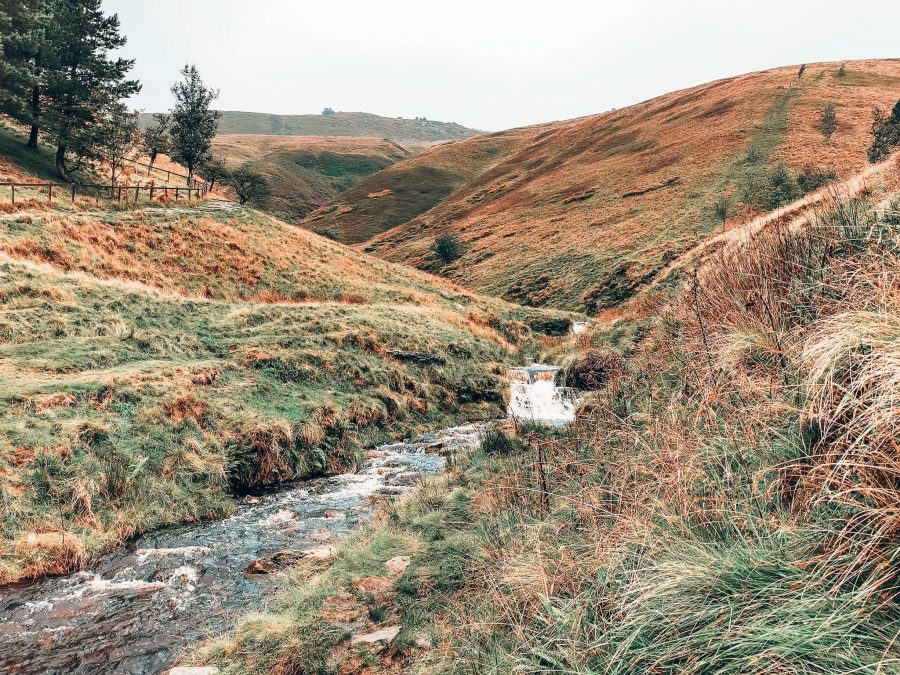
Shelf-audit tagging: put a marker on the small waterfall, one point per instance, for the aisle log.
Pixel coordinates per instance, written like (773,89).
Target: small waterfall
(534,396)
(579,327)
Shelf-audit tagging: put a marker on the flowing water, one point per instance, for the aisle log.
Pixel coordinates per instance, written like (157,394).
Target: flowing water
(535,397)
(140,603)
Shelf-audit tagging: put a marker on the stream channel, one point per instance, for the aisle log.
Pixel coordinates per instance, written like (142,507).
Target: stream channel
(132,610)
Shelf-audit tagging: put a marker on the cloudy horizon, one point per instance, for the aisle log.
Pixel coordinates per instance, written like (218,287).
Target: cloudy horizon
(480,64)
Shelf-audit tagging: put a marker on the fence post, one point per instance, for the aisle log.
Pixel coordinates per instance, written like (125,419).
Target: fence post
(168,176)
(50,193)
(73,193)
(176,194)
(98,196)
(13,186)
(151,195)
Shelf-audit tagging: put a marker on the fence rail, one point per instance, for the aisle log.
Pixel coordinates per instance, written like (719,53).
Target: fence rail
(191,182)
(116,193)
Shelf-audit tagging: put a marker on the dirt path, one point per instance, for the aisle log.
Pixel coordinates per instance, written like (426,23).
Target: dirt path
(796,213)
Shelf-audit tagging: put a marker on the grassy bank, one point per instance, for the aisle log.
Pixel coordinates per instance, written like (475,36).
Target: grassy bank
(725,503)
(155,362)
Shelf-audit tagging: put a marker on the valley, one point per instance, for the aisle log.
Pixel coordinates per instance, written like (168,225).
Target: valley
(345,393)
(614,197)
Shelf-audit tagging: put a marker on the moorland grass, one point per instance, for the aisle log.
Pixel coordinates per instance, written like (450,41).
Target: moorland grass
(156,362)
(725,504)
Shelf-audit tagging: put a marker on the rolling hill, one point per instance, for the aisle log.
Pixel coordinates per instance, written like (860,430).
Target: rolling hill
(159,360)
(306,172)
(413,186)
(409,132)
(582,214)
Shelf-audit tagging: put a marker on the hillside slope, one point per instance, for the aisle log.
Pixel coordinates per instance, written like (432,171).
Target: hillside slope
(724,503)
(588,211)
(413,186)
(339,124)
(157,361)
(306,172)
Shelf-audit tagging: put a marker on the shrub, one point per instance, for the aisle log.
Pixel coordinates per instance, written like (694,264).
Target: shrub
(498,443)
(814,177)
(842,71)
(721,208)
(553,326)
(885,133)
(891,214)
(783,187)
(447,248)
(596,369)
(768,190)
(828,123)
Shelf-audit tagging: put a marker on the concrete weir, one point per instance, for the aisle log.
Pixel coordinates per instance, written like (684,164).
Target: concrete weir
(535,397)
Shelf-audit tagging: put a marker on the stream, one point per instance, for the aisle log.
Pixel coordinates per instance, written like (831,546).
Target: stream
(139,604)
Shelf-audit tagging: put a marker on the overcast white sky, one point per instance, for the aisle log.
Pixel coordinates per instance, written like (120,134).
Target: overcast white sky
(489,65)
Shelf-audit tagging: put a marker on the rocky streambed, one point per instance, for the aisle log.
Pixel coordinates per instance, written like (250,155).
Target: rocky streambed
(139,604)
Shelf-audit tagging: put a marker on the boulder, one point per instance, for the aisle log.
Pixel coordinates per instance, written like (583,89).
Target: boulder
(398,564)
(383,636)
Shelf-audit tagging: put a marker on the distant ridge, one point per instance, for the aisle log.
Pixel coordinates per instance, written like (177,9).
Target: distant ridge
(414,131)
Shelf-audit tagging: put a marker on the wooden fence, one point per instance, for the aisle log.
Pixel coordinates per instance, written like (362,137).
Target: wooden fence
(126,194)
(190,182)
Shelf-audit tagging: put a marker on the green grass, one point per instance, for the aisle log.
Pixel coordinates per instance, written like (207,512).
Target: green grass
(707,513)
(41,163)
(302,181)
(95,372)
(134,393)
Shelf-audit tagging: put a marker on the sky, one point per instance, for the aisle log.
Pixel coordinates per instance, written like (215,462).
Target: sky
(489,65)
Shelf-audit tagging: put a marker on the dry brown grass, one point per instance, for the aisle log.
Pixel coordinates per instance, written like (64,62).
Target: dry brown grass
(519,225)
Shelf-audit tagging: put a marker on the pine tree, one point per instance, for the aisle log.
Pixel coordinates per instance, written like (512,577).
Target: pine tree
(83,81)
(885,133)
(194,123)
(22,55)
(828,125)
